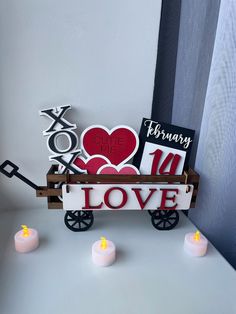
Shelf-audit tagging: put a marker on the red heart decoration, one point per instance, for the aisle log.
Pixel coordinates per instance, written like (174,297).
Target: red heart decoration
(126,169)
(118,144)
(91,164)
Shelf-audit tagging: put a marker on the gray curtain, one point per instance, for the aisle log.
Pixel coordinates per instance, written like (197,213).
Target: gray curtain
(196,41)
(205,100)
(216,158)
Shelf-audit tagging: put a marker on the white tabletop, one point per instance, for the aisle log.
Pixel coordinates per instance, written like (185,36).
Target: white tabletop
(152,273)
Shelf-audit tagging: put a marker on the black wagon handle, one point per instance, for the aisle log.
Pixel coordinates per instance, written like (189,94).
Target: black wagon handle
(9,169)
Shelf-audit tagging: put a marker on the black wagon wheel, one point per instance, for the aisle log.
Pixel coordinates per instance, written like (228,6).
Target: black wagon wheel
(165,219)
(78,220)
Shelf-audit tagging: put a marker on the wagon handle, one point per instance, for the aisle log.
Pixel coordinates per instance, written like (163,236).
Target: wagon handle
(14,172)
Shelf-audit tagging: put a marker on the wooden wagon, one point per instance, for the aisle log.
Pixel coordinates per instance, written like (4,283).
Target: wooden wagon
(65,190)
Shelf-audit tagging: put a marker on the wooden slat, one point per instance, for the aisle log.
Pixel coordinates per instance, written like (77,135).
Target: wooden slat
(190,177)
(192,173)
(51,185)
(103,178)
(55,205)
(45,191)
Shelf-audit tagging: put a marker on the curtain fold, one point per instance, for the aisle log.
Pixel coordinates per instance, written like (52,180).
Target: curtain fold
(204,99)
(166,59)
(198,23)
(216,156)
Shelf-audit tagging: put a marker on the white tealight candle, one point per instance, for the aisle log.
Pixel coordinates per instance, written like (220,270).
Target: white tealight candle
(103,252)
(195,244)
(26,240)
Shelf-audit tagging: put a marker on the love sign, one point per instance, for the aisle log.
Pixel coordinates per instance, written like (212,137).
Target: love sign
(118,145)
(126,196)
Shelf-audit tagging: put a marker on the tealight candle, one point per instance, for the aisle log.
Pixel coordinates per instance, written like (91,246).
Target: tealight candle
(195,244)
(26,240)
(103,252)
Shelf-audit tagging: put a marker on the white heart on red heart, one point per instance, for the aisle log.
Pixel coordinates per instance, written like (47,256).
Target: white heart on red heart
(118,144)
(124,169)
(91,164)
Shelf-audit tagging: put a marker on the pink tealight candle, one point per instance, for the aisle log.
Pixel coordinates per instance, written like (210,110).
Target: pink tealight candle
(103,252)
(26,240)
(195,244)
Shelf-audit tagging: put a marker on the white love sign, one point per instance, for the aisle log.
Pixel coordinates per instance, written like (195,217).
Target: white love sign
(126,196)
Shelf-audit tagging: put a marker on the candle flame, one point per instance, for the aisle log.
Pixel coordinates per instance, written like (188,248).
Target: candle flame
(25,230)
(197,235)
(103,243)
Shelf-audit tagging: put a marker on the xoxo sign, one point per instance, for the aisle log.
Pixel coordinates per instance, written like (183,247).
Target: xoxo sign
(61,129)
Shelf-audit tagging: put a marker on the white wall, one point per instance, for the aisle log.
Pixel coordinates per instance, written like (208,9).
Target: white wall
(99,56)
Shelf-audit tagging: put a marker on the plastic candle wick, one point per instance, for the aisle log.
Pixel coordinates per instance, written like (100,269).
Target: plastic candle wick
(197,236)
(103,243)
(25,230)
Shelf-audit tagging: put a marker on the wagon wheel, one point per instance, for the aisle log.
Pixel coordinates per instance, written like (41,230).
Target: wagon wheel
(78,220)
(165,219)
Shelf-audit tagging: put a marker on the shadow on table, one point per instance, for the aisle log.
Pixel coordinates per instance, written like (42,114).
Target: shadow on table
(7,218)
(121,256)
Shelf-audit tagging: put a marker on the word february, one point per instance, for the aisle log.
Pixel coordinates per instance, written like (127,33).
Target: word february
(126,197)
(155,129)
